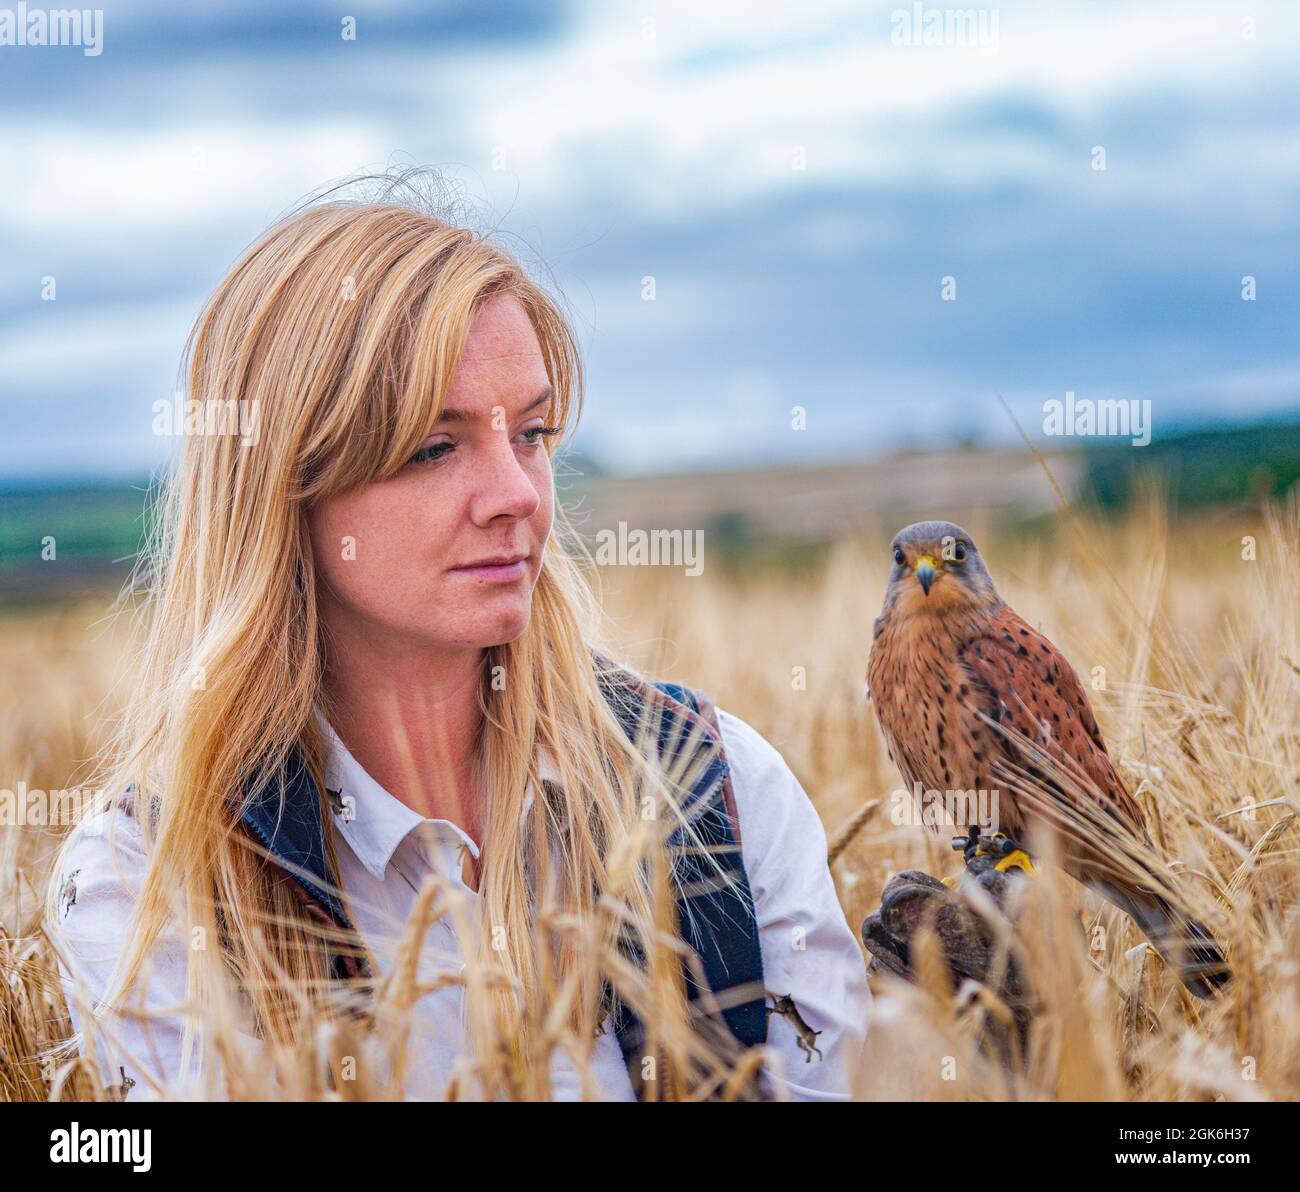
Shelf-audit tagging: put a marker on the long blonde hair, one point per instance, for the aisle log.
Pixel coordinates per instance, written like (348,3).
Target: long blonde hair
(344,324)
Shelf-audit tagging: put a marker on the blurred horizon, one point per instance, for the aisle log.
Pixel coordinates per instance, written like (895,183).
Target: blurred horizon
(797,180)
(573,461)
(65,538)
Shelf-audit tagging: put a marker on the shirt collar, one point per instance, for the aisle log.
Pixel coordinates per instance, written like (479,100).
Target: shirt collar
(374,822)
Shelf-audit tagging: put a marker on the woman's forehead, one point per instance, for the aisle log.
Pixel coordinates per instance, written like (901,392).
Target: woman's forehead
(485,406)
(501,365)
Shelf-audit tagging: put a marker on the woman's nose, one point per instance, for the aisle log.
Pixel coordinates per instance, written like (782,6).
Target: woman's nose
(503,487)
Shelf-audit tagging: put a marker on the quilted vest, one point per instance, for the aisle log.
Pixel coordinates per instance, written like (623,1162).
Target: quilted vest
(716,918)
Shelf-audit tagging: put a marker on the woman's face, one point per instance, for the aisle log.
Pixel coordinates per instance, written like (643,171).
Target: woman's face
(445,554)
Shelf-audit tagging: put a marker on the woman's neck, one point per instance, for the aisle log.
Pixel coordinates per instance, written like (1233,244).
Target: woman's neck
(412,719)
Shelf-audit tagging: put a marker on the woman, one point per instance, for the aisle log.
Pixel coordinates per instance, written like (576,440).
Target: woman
(369,651)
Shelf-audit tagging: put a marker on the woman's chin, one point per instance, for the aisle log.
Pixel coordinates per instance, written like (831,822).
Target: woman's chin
(502,629)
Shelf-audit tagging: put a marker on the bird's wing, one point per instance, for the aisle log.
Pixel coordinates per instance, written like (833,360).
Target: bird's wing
(1030,689)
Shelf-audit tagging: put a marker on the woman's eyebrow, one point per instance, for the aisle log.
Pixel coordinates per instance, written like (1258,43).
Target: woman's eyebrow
(454,415)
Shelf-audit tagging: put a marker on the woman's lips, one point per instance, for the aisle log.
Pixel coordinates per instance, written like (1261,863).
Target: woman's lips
(500,572)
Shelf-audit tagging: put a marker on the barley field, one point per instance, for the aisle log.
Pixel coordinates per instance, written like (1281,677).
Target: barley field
(1187,634)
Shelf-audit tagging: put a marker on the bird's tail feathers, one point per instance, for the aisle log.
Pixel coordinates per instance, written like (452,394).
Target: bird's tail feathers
(1184,942)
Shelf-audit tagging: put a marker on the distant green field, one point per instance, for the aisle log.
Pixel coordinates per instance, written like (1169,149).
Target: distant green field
(1199,468)
(96,532)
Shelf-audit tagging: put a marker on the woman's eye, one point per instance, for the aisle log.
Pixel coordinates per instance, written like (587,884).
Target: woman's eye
(436,451)
(431,454)
(959,551)
(899,557)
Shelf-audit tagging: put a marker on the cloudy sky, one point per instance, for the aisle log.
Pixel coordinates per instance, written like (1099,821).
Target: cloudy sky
(798,178)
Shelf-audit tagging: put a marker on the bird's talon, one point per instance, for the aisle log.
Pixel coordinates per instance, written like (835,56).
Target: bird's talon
(1015,858)
(999,845)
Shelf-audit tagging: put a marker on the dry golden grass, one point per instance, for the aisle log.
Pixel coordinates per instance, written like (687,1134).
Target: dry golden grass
(1200,650)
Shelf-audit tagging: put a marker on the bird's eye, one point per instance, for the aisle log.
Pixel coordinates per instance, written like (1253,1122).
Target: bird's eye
(959,551)
(899,557)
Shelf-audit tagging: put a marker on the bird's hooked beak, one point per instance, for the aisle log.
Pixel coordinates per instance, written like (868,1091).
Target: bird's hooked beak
(924,570)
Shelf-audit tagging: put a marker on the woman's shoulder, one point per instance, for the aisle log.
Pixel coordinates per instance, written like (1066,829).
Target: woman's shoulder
(108,833)
(770,800)
(748,751)
(101,865)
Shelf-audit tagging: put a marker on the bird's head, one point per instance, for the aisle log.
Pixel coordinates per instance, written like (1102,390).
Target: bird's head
(937,570)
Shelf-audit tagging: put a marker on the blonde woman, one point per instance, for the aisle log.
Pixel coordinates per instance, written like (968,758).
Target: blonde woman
(378,784)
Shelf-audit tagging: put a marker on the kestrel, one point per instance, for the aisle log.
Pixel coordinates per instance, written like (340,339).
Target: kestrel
(971,698)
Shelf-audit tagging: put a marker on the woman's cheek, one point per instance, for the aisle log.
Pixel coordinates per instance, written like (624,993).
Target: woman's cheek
(329,544)
(359,542)
(545,515)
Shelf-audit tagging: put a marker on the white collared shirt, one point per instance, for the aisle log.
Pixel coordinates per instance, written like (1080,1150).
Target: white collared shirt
(386,849)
